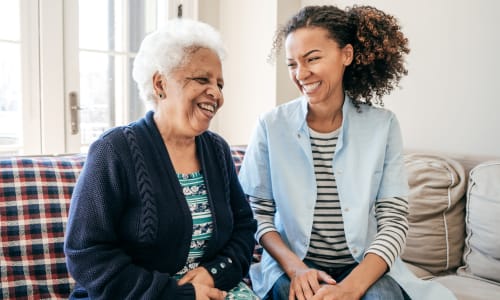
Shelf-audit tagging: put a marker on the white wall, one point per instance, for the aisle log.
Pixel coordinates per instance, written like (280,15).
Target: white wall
(250,83)
(447,103)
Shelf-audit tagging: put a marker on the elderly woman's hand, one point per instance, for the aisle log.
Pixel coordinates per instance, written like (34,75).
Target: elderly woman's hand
(197,275)
(204,292)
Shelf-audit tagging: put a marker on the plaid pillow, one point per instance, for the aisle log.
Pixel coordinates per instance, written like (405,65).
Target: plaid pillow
(237,153)
(35,193)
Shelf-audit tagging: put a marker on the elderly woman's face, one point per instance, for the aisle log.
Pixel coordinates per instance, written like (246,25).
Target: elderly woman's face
(193,92)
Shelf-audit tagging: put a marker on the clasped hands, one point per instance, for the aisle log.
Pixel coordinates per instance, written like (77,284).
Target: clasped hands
(203,284)
(313,284)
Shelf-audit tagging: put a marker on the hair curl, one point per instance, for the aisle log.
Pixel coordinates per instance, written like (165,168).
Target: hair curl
(376,37)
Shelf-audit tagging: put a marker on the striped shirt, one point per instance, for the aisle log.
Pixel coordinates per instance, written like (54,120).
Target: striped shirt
(328,246)
(328,243)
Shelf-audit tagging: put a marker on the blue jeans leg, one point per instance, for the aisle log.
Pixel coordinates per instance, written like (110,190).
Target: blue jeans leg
(385,288)
(281,288)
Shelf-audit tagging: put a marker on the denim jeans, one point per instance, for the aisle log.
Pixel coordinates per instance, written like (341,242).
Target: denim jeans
(385,288)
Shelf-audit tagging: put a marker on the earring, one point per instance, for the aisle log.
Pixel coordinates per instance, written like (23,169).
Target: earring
(160,95)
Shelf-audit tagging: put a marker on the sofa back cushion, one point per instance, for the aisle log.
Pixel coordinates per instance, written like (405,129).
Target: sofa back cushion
(482,244)
(436,212)
(35,194)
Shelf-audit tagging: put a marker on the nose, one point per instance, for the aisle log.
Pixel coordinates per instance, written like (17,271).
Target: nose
(301,73)
(214,92)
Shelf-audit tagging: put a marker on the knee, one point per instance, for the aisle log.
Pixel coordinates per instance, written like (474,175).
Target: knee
(280,289)
(386,288)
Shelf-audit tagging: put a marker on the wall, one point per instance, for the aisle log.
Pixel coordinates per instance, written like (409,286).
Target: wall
(447,103)
(252,84)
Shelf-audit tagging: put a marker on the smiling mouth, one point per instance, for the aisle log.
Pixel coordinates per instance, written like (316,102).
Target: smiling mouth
(307,88)
(208,107)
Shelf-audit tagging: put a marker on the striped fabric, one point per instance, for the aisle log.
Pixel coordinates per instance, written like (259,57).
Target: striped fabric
(328,246)
(35,193)
(392,228)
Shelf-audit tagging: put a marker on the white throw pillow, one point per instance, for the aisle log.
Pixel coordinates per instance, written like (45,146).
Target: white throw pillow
(482,243)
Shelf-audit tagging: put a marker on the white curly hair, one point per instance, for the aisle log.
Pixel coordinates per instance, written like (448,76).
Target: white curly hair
(166,48)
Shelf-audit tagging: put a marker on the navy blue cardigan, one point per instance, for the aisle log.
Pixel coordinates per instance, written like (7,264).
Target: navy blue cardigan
(129,226)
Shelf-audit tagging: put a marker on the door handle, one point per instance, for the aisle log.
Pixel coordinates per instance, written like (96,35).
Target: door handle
(74,108)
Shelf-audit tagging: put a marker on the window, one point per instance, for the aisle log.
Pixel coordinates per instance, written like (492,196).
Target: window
(53,52)
(11,65)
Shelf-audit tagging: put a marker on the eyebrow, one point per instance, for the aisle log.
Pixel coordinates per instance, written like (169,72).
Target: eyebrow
(307,53)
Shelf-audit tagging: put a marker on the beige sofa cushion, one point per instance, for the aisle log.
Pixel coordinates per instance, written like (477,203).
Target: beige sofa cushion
(482,244)
(436,212)
(469,288)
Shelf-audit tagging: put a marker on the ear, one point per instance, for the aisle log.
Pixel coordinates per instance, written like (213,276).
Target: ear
(159,83)
(348,54)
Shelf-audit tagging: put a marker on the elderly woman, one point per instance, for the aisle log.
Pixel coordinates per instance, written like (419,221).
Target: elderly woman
(158,212)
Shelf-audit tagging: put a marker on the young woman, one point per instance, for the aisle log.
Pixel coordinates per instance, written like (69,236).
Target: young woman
(325,172)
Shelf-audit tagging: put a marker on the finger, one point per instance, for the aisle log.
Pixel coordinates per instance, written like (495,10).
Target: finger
(216,294)
(320,295)
(307,292)
(324,277)
(295,292)
(313,282)
(291,293)
(186,278)
(296,289)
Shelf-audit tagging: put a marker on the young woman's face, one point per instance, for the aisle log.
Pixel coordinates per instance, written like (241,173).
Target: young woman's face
(316,63)
(193,93)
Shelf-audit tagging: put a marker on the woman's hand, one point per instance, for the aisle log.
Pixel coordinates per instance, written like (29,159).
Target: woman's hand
(198,275)
(204,292)
(336,292)
(306,282)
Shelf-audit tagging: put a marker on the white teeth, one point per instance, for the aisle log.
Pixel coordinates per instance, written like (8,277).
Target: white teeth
(209,107)
(310,87)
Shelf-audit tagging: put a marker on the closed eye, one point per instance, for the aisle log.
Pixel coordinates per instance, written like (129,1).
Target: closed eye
(206,80)
(201,80)
(311,59)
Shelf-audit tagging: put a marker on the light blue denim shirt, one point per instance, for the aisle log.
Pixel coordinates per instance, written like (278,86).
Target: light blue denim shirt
(368,165)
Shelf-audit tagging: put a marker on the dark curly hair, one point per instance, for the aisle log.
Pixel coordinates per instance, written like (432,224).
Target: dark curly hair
(376,37)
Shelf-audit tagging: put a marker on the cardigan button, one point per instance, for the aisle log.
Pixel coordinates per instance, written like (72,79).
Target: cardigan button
(222,265)
(214,271)
(229,260)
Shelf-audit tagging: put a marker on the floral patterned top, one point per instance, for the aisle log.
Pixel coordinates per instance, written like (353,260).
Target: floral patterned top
(195,191)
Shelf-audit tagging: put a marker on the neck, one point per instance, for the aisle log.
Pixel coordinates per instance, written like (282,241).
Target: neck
(171,135)
(325,116)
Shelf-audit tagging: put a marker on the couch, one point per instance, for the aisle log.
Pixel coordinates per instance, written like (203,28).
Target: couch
(451,239)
